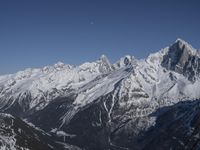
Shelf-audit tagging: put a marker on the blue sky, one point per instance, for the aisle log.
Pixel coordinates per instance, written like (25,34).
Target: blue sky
(35,33)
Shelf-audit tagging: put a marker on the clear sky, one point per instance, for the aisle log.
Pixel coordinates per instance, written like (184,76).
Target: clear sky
(35,33)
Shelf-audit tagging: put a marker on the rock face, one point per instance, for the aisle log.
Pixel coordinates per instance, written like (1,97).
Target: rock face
(183,59)
(103,106)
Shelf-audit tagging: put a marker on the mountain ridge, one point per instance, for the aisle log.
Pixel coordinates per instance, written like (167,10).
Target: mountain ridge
(115,101)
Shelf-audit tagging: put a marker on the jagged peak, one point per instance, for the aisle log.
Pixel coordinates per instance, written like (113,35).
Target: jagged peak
(128,57)
(103,56)
(124,61)
(176,46)
(105,65)
(59,64)
(180,40)
(104,59)
(180,44)
(178,58)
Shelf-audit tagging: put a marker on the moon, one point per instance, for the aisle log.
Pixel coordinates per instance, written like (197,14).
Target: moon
(92,22)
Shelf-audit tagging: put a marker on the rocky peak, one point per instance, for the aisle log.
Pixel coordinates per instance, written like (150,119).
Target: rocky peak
(182,58)
(59,65)
(103,59)
(179,40)
(124,61)
(105,65)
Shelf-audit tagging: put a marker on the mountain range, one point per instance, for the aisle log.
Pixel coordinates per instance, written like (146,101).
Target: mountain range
(133,104)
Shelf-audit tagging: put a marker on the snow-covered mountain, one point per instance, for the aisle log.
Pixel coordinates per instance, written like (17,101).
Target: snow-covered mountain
(114,101)
(35,88)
